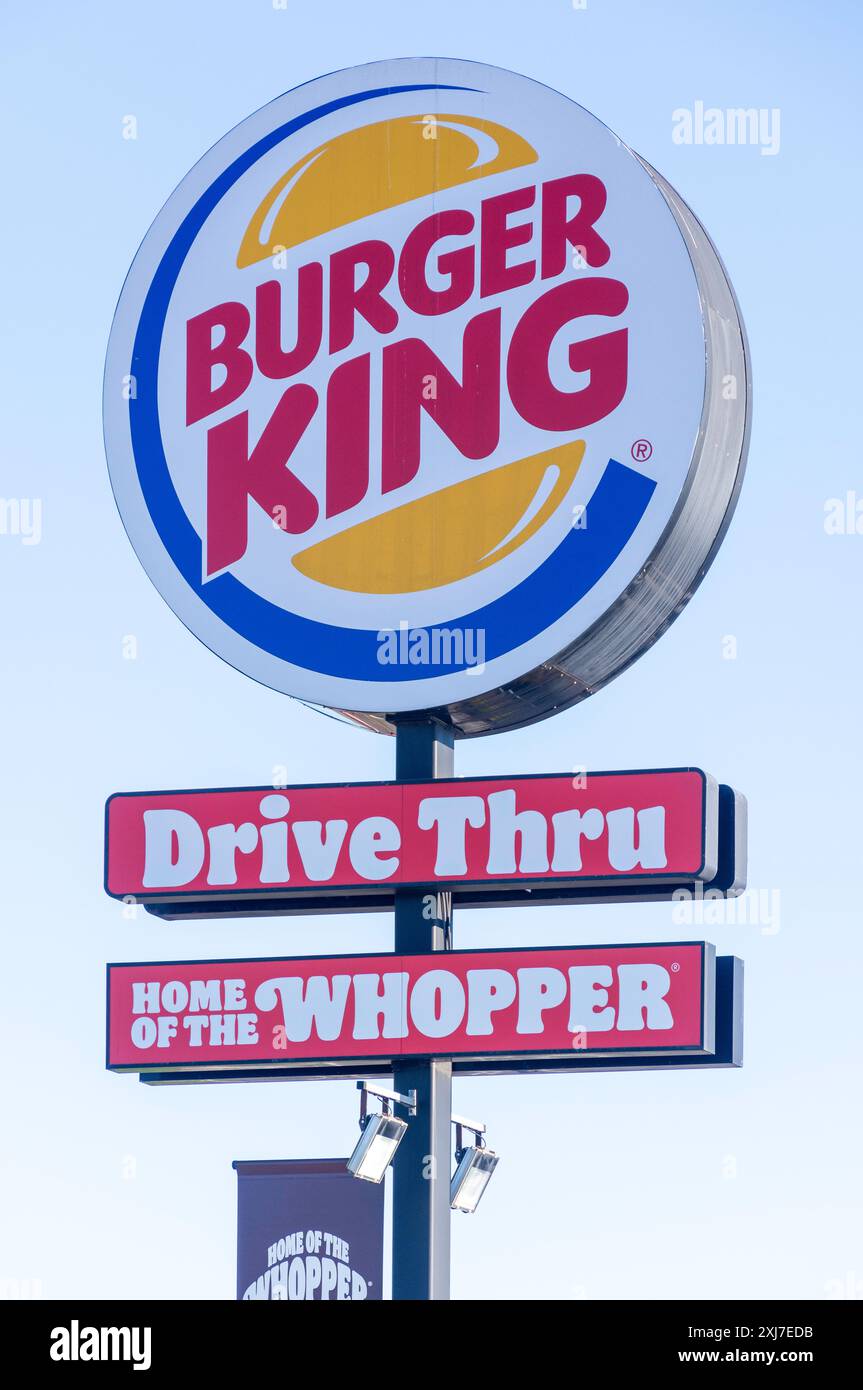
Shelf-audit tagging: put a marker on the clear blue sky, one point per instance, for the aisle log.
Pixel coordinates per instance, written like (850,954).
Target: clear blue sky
(709,1184)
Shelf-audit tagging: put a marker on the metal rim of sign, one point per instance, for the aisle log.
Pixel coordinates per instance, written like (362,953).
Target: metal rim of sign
(698,525)
(522,688)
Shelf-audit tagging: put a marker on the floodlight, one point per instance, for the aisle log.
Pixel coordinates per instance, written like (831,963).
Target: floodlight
(381,1134)
(379,1140)
(471,1178)
(474,1167)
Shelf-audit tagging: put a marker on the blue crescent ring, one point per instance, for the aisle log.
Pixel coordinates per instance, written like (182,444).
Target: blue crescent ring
(617,505)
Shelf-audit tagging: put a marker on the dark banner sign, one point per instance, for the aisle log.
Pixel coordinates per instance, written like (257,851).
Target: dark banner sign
(306,1229)
(568,1002)
(348,847)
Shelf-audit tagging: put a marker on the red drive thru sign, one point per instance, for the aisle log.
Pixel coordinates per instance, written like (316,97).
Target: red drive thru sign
(575,1001)
(307,843)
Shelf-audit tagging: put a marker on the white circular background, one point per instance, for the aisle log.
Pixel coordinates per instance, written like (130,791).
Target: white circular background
(663,401)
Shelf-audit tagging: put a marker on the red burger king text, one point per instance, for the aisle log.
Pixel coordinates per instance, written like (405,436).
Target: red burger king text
(372,281)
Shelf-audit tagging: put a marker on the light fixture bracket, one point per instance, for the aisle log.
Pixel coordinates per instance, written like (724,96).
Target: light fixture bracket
(388,1098)
(476,1127)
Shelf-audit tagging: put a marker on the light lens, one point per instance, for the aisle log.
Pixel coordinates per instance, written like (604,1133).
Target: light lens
(378,1142)
(471,1178)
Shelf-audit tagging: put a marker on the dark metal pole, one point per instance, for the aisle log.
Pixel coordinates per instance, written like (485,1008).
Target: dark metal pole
(421,1170)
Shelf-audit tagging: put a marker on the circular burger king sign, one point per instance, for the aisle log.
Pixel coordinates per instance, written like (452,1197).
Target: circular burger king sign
(425,393)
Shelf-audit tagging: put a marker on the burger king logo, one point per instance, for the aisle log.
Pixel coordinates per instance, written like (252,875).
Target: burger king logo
(425,393)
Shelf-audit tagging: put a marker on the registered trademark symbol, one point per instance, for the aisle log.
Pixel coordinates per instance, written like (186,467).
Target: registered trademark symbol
(641,450)
(674,966)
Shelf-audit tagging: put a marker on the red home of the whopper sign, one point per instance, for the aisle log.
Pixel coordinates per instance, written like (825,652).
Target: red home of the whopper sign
(599,828)
(259,1014)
